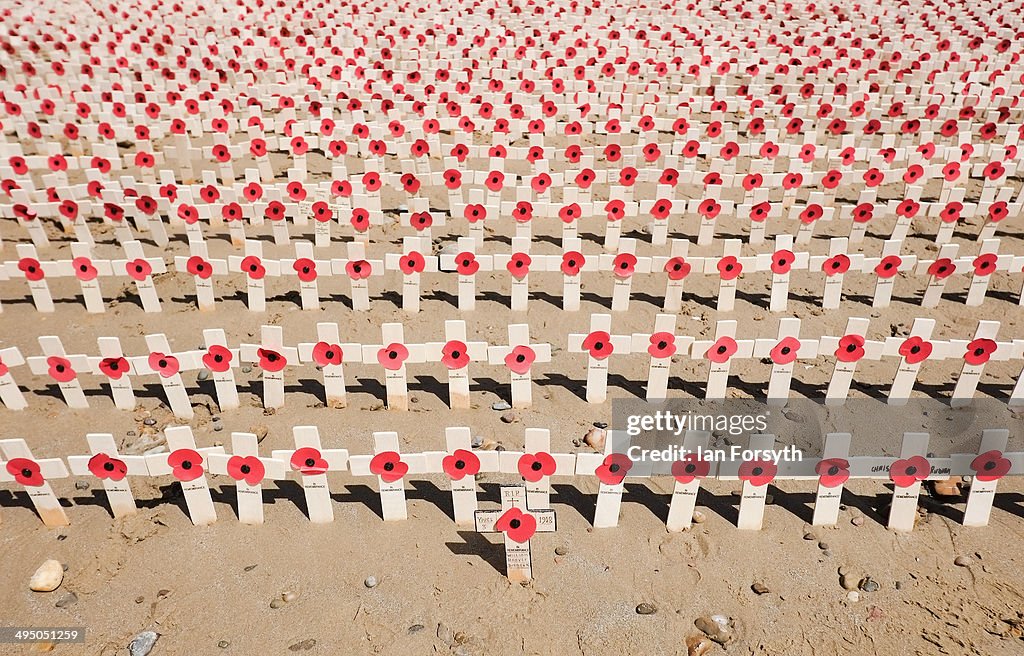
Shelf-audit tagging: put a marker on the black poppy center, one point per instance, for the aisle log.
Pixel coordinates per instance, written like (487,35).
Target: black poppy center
(271,357)
(456,354)
(245,469)
(888,265)
(162,363)
(84,268)
(460,464)
(515,523)
(310,462)
(253,268)
(690,468)
(108,466)
(114,365)
(833,470)
(306,269)
(757,471)
(389,466)
(722,349)
(915,349)
(728,267)
(27,473)
(466,262)
(614,467)
(31,269)
(850,348)
(979,351)
(392,355)
(785,350)
(662,344)
(572,263)
(187,464)
(218,358)
(911,470)
(60,368)
(599,346)
(520,358)
(624,265)
(990,465)
(536,466)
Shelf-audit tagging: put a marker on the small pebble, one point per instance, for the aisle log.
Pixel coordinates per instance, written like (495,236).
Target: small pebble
(600,424)
(81,485)
(500,406)
(478,441)
(67,600)
(853,596)
(461,638)
(223,644)
(140,599)
(868,585)
(857,521)
(249,568)
(304,645)
(416,628)
(899,585)
(276,603)
(823,546)
(48,577)
(698,517)
(717,627)
(149,421)
(218,428)
(143,643)
(508,417)
(289,596)
(561,551)
(370,582)
(759,588)
(810,536)
(646,609)
(203,374)
(963,561)
(246,369)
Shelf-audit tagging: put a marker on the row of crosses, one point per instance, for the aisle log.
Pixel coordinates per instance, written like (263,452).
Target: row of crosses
(663,345)
(525,508)
(416,259)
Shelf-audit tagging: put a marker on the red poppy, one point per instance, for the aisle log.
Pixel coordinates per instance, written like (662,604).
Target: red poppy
(709,208)
(246,468)
(782,261)
(985,264)
(661,209)
(114,368)
(520,359)
(25,471)
(421,220)
(914,350)
(327,354)
(519,265)
(453,178)
(371,181)
(570,213)
(663,345)
(454,355)
(851,348)
(624,265)
(616,209)
(729,268)
(217,358)
(517,525)
(832,472)
(613,468)
(998,211)
(495,181)
(599,344)
(389,466)
(979,351)
(541,182)
(106,468)
(305,268)
(535,466)
(308,461)
(412,262)
(271,360)
(758,472)
(523,211)
(393,356)
(186,464)
(33,270)
(690,468)
(942,268)
(889,266)
(835,265)
(165,365)
(677,268)
(358,269)
(723,349)
(990,466)
(905,473)
(466,264)
(475,212)
(811,213)
(60,369)
(785,351)
(460,464)
(199,267)
(138,269)
(253,267)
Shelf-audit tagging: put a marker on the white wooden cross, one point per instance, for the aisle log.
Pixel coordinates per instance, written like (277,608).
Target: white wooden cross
(720,354)
(835,265)
(23,468)
(599,344)
(688,472)
(728,268)
(272,356)
(912,351)
(780,263)
(248,470)
(833,470)
(611,469)
(413,261)
(307,270)
(455,353)
(221,360)
(988,262)
(141,269)
(976,353)
(518,264)
(460,463)
(906,473)
(518,522)
(112,469)
(34,272)
(519,357)
(467,264)
(188,465)
(312,462)
(623,266)
(537,465)
(391,468)
(202,268)
(756,475)
(87,271)
(662,345)
(118,370)
(62,368)
(358,269)
(938,271)
(784,353)
(255,269)
(886,268)
(848,350)
(331,355)
(989,466)
(677,267)
(168,365)
(10,393)
(572,263)
(393,354)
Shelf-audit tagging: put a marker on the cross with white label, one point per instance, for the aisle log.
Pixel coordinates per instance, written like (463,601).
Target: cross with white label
(780,263)
(118,370)
(420,218)
(912,351)
(255,269)
(35,273)
(835,265)
(312,462)
(141,269)
(976,353)
(187,465)
(720,354)
(10,393)
(358,269)
(906,473)
(518,522)
(220,360)
(62,369)
(391,468)
(756,475)
(833,471)
(623,266)
(272,356)
(518,264)
(599,344)
(611,468)
(519,357)
(112,469)
(307,270)
(414,260)
(168,365)
(331,355)
(87,271)
(572,263)
(537,465)
(467,264)
(886,268)
(728,268)
(849,349)
(663,344)
(688,473)
(989,465)
(784,353)
(202,268)
(461,464)
(23,468)
(393,354)
(248,471)
(677,267)
(455,353)
(988,262)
